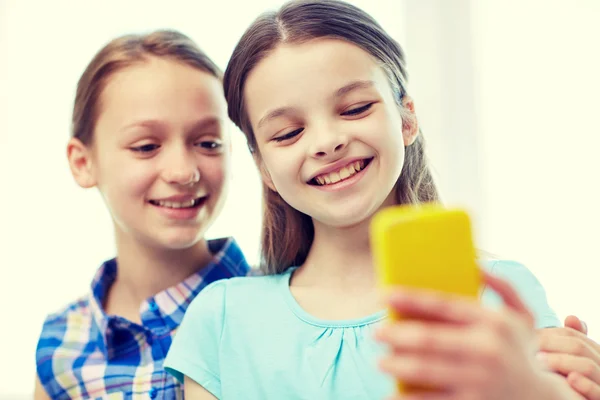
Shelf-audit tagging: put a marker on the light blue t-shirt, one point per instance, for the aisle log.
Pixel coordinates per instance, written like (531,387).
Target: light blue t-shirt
(248,339)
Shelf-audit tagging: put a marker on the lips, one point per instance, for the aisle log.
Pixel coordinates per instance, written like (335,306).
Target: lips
(188,203)
(340,174)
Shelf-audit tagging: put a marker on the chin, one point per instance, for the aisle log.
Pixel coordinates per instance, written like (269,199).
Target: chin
(354,213)
(180,241)
(347,219)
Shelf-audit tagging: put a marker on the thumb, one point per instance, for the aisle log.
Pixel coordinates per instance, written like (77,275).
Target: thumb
(509,296)
(575,323)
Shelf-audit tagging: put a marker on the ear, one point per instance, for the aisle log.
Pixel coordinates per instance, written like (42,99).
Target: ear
(80,162)
(410,125)
(264,173)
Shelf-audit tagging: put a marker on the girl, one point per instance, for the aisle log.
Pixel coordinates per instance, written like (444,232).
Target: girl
(149,131)
(319,89)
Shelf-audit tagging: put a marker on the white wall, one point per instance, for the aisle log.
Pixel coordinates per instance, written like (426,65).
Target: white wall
(508,96)
(440,56)
(53,235)
(538,65)
(506,93)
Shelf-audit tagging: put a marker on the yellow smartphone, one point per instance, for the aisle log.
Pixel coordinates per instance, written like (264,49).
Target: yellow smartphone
(425,247)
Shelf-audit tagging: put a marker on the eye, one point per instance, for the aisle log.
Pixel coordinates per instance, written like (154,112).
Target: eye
(357,110)
(288,135)
(210,144)
(145,148)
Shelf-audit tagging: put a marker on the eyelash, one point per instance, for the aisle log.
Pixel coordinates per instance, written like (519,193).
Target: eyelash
(212,144)
(148,148)
(351,113)
(358,110)
(289,135)
(145,148)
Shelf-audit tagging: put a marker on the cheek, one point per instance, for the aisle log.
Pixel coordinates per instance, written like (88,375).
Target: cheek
(126,177)
(284,167)
(389,138)
(390,126)
(394,145)
(215,171)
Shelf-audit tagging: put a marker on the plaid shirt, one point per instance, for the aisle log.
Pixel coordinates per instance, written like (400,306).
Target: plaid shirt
(83,353)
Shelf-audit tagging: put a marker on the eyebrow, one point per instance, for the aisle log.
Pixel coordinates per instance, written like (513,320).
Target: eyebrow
(353,86)
(278,112)
(153,123)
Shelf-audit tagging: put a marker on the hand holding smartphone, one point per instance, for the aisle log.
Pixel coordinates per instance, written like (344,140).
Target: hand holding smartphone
(425,247)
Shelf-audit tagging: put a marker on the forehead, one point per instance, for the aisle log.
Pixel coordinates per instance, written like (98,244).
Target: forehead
(292,72)
(161,86)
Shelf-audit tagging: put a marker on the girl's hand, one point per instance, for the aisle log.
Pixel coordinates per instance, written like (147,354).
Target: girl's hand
(467,351)
(569,352)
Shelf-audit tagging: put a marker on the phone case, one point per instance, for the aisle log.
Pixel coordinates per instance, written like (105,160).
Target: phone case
(427,247)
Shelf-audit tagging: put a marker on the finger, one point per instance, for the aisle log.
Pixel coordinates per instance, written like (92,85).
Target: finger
(426,396)
(575,323)
(566,364)
(433,306)
(509,296)
(567,332)
(503,326)
(426,337)
(567,345)
(433,372)
(544,338)
(584,386)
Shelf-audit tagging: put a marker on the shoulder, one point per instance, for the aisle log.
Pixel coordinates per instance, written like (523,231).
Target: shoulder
(514,272)
(246,291)
(75,315)
(527,286)
(64,335)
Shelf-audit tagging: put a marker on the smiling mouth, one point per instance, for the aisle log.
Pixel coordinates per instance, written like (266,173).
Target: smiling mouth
(342,174)
(178,204)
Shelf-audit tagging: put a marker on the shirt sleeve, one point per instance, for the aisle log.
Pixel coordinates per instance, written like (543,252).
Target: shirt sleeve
(196,346)
(529,289)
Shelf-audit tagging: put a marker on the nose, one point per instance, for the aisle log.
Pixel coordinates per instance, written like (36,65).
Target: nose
(328,144)
(181,168)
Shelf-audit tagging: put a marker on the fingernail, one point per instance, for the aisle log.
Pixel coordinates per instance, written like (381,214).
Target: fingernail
(397,295)
(584,325)
(380,333)
(384,363)
(542,357)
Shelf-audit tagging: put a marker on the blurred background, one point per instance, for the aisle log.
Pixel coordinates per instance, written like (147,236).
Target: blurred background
(506,93)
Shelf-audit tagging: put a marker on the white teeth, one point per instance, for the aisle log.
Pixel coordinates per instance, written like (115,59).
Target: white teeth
(343,173)
(174,204)
(335,177)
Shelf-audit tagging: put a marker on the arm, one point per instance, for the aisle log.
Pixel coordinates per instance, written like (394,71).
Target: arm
(39,392)
(194,391)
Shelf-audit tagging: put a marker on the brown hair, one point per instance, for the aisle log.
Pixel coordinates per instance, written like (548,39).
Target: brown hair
(120,53)
(287,234)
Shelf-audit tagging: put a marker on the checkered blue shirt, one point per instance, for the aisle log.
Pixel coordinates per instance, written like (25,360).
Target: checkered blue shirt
(83,353)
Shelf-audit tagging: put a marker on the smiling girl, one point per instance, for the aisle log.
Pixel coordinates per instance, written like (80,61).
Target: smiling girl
(319,90)
(150,133)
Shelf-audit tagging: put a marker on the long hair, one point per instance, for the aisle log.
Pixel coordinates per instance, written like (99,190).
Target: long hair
(287,234)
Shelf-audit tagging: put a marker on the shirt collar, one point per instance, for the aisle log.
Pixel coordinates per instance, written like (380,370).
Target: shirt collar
(165,310)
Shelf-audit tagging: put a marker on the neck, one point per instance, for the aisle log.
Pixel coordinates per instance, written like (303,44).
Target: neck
(145,270)
(339,257)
